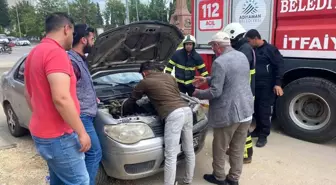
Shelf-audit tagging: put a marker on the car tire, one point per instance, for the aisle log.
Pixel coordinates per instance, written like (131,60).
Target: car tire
(13,122)
(102,178)
(306,110)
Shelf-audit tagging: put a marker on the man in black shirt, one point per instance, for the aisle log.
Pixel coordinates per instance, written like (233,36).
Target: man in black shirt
(269,73)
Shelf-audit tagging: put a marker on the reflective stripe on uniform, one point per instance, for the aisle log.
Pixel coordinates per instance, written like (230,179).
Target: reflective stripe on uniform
(181,66)
(252,72)
(200,66)
(248,138)
(205,73)
(249,145)
(169,69)
(184,82)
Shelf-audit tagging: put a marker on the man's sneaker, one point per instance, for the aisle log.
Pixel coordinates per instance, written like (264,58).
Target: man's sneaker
(230,182)
(212,179)
(262,141)
(247,160)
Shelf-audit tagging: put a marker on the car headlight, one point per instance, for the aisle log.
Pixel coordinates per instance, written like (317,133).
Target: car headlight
(129,133)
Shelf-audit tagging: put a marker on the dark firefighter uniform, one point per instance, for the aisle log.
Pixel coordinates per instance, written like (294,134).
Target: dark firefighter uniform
(243,46)
(185,66)
(269,69)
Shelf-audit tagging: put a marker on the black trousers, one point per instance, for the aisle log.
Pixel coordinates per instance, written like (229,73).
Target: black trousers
(263,108)
(186,88)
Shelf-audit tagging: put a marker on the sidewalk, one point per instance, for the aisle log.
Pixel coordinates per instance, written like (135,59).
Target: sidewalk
(7,64)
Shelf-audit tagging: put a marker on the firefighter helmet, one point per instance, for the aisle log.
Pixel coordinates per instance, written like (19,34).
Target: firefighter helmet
(234,29)
(188,39)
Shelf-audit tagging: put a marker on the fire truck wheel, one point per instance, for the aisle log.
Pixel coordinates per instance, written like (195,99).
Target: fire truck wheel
(307,110)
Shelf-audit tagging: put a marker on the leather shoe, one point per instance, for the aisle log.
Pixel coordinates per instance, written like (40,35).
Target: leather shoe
(230,182)
(212,179)
(262,141)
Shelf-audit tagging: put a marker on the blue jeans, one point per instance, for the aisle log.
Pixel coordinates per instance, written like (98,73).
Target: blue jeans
(94,155)
(64,160)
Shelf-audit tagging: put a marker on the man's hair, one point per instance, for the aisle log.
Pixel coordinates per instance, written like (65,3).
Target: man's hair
(252,34)
(80,31)
(149,66)
(56,21)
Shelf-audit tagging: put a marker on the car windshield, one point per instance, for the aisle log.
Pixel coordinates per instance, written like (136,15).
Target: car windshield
(2,37)
(119,78)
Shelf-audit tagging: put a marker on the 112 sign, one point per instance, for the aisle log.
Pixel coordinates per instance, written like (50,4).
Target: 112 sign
(210,15)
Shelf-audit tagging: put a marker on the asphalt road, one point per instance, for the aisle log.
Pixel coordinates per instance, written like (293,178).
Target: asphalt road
(284,161)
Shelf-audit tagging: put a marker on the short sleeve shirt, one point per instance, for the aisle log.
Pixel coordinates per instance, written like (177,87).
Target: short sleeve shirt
(46,58)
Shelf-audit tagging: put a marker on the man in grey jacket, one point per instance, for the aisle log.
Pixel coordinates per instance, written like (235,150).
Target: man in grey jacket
(230,110)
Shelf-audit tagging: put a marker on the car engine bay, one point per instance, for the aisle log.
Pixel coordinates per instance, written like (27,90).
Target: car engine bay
(116,108)
(143,107)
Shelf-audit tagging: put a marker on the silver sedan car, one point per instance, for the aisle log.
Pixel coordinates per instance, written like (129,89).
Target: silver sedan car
(132,145)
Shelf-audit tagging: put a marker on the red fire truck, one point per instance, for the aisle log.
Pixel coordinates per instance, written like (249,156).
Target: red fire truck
(305,33)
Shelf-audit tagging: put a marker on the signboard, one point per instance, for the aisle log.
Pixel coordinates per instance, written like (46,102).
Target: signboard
(300,31)
(210,15)
(254,14)
(250,13)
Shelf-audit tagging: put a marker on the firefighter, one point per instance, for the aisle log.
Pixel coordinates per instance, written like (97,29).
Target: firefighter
(269,66)
(236,32)
(186,60)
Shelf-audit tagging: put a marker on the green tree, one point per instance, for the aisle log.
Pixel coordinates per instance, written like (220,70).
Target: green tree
(99,17)
(28,19)
(84,11)
(142,10)
(4,14)
(46,7)
(158,10)
(115,12)
(107,17)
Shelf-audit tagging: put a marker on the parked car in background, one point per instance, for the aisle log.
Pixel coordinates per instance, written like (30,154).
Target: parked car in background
(132,145)
(3,38)
(22,42)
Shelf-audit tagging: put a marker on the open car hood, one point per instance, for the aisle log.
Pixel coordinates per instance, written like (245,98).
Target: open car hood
(134,43)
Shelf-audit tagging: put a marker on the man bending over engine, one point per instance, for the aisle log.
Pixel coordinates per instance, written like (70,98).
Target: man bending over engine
(163,92)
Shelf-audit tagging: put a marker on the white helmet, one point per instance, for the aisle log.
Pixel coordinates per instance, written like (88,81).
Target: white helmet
(189,38)
(234,29)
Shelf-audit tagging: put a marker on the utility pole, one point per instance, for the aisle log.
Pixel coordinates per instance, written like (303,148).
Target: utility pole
(136,8)
(127,21)
(17,16)
(68,7)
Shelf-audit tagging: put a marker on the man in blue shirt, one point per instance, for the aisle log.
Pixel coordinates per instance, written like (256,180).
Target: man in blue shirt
(82,44)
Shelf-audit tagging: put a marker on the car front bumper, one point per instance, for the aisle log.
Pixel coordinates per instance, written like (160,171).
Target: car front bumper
(144,158)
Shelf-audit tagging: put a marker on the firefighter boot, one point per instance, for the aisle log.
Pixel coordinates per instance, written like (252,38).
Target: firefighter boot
(248,151)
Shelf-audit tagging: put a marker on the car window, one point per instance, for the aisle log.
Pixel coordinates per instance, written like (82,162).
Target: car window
(120,78)
(19,74)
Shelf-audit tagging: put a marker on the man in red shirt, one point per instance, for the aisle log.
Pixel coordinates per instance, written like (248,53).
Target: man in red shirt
(57,131)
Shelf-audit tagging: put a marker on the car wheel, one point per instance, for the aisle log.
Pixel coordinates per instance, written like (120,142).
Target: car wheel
(102,178)
(13,122)
(306,110)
